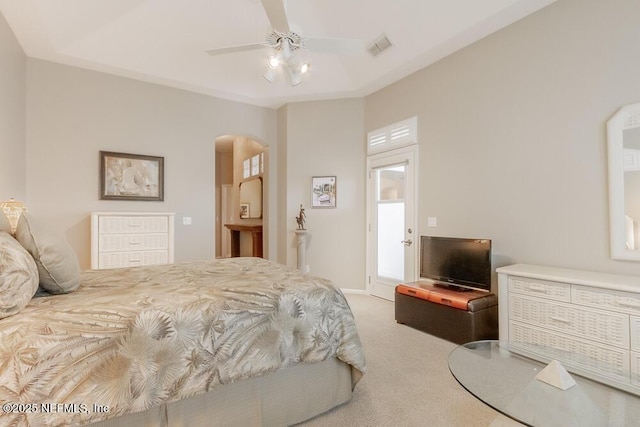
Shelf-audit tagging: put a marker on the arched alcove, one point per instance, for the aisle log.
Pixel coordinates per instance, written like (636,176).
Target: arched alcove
(240,162)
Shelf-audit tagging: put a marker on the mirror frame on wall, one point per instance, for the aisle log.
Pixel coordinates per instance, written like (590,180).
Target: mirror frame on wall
(254,200)
(628,117)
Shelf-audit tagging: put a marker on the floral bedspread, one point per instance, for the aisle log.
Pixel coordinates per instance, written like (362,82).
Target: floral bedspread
(130,339)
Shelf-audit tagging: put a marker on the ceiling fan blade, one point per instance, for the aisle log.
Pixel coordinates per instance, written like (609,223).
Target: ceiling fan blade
(277,15)
(329,45)
(238,48)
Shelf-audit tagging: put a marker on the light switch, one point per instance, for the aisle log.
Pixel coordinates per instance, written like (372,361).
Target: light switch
(186,220)
(432,221)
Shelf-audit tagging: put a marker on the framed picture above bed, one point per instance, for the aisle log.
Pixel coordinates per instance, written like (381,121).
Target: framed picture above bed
(323,192)
(125,176)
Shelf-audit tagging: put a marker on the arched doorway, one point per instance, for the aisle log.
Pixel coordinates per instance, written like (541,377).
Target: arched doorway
(239,166)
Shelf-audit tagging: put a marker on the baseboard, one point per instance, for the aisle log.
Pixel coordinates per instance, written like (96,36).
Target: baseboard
(354,291)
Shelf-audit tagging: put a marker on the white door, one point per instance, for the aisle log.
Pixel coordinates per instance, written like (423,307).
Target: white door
(392,237)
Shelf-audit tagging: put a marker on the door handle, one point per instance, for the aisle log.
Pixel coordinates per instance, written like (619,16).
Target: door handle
(407,242)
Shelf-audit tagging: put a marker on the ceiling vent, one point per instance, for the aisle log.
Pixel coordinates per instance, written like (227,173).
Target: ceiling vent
(379,45)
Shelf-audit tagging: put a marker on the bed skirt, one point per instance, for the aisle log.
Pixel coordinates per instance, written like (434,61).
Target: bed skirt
(286,397)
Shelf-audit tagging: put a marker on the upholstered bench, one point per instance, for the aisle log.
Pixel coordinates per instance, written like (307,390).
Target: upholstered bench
(459,317)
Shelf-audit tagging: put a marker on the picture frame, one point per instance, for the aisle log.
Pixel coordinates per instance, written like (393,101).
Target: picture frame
(323,191)
(126,176)
(244,210)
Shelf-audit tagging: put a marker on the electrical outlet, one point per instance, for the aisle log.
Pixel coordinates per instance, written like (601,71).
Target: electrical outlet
(432,221)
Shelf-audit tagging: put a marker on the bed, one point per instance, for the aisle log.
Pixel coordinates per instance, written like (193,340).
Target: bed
(239,341)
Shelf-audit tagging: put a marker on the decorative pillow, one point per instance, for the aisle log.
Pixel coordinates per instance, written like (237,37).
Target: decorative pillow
(5,225)
(57,262)
(18,276)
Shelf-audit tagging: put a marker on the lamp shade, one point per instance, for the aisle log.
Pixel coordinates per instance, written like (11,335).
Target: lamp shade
(295,78)
(270,74)
(12,209)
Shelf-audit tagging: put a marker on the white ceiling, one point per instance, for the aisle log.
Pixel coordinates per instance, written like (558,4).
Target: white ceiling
(164,41)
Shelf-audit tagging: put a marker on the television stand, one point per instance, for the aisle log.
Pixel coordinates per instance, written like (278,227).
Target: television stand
(459,317)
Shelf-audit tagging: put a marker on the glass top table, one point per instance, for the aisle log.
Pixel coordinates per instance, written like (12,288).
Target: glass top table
(506,381)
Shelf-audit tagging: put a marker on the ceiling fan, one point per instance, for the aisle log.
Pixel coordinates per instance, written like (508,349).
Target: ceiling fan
(286,43)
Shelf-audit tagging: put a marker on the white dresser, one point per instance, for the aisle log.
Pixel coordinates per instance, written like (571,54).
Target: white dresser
(128,239)
(592,319)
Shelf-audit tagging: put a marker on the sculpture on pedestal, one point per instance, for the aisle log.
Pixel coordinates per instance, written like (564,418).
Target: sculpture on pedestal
(301,218)
(301,235)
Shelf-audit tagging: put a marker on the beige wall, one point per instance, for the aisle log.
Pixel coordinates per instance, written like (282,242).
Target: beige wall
(327,138)
(512,133)
(283,220)
(72,114)
(13,166)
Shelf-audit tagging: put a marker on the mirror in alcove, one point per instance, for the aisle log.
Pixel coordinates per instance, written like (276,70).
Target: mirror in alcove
(623,134)
(251,199)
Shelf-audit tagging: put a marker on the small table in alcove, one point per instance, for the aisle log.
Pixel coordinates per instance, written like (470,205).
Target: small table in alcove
(256,236)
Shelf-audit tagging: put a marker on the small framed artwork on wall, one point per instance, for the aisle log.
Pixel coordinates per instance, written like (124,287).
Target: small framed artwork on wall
(125,176)
(323,191)
(244,210)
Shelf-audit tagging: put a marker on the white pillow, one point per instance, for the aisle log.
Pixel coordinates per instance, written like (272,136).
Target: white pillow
(18,276)
(5,225)
(57,262)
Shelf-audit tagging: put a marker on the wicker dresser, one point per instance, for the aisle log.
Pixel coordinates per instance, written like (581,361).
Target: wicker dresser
(589,321)
(128,239)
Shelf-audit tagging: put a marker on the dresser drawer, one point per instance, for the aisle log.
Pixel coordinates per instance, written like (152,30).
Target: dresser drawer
(622,302)
(141,224)
(133,259)
(541,288)
(606,327)
(133,242)
(635,369)
(604,360)
(634,326)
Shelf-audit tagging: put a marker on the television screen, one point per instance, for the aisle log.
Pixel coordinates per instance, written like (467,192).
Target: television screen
(456,262)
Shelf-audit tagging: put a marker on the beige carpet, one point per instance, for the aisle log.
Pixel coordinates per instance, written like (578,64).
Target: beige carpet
(408,382)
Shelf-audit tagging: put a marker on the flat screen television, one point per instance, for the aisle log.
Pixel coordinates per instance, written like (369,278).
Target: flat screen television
(457,263)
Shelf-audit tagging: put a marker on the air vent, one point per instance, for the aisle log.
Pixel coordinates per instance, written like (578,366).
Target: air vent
(397,135)
(377,139)
(633,121)
(379,45)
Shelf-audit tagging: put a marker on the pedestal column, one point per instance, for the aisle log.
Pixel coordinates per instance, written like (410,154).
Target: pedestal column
(302,249)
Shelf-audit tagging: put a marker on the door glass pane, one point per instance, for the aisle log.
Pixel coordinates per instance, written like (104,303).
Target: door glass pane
(390,207)
(391,183)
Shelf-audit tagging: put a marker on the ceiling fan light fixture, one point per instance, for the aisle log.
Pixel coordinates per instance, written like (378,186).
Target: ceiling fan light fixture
(286,43)
(273,62)
(286,50)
